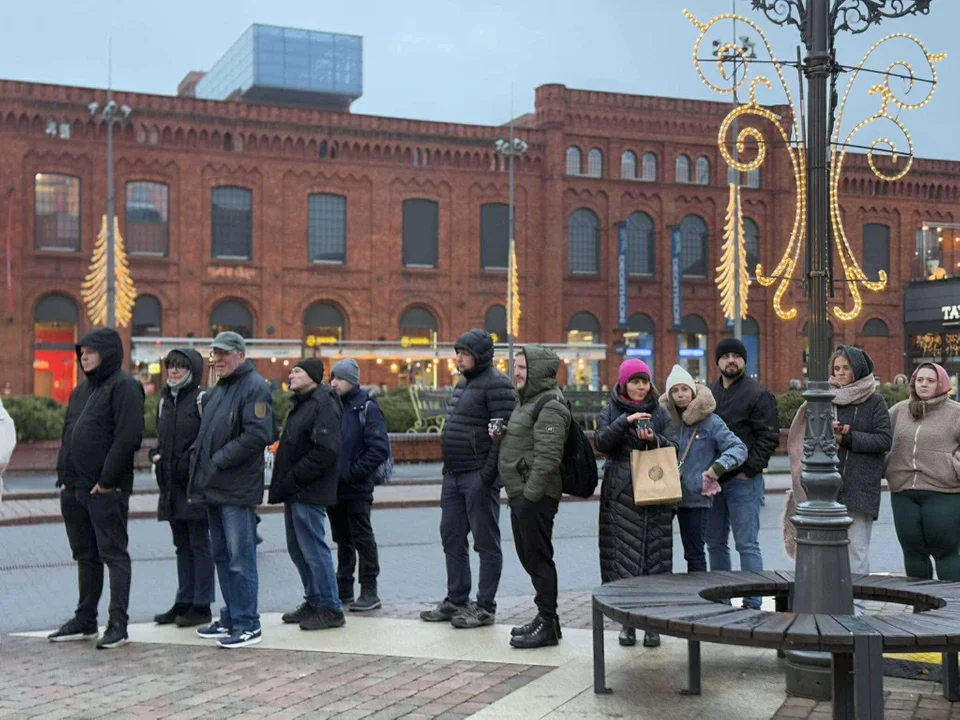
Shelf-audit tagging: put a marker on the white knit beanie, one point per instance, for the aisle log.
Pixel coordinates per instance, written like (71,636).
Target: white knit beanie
(679,376)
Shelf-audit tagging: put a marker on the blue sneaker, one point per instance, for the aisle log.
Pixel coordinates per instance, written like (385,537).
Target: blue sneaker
(240,639)
(213,631)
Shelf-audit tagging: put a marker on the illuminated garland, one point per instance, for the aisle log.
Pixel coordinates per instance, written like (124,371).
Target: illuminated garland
(94,289)
(513,323)
(733,246)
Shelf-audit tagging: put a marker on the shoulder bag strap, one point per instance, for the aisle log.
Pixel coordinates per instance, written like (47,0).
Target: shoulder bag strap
(686,451)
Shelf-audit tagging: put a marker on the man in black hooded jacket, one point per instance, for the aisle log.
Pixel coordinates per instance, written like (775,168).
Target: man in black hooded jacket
(102,431)
(470,498)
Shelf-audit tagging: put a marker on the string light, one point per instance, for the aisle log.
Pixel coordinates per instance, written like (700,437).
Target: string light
(734,258)
(94,288)
(514,290)
(783,273)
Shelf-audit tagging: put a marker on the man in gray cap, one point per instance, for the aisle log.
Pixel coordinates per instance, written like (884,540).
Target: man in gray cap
(364,448)
(226,474)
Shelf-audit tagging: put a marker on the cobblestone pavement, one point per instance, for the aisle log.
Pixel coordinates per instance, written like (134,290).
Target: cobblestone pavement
(897,706)
(143,681)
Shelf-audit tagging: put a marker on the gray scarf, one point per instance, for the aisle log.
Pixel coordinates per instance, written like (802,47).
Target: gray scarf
(176,387)
(857,392)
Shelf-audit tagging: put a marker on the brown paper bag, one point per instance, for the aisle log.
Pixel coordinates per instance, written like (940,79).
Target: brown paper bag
(656,477)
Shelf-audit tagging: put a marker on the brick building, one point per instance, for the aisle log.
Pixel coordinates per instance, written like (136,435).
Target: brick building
(385,238)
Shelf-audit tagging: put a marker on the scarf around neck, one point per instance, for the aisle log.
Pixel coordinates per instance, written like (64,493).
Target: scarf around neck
(176,387)
(857,392)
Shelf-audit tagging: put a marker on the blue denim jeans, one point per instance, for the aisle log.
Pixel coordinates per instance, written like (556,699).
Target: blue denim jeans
(736,508)
(692,522)
(233,539)
(307,545)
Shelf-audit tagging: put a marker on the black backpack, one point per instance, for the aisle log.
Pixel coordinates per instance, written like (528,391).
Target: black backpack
(578,468)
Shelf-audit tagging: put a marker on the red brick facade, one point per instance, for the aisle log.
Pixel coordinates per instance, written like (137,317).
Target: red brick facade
(379,162)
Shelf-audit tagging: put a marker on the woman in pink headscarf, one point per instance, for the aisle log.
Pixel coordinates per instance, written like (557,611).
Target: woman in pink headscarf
(923,474)
(634,540)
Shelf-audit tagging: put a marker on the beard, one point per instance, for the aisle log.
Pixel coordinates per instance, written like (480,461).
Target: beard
(731,372)
(522,384)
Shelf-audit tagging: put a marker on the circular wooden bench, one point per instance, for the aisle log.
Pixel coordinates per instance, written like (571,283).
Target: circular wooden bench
(695,607)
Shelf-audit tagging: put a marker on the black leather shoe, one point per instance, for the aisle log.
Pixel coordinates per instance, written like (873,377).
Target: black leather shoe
(170,616)
(527,628)
(651,639)
(543,634)
(628,637)
(194,616)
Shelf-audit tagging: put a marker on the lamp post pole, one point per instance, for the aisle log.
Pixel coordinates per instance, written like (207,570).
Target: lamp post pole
(822,582)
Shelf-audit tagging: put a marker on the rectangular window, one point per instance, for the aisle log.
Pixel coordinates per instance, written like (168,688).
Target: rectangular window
(231,222)
(421,231)
(494,236)
(56,212)
(147,217)
(876,250)
(327,228)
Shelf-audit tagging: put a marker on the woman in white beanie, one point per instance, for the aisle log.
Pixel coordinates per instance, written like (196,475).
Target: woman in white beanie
(707,449)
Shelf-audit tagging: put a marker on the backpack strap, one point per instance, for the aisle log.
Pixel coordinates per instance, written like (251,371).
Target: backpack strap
(542,403)
(686,451)
(160,407)
(199,402)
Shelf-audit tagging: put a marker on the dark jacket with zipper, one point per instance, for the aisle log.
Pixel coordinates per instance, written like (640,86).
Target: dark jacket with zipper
(634,540)
(863,452)
(103,427)
(481,394)
(178,422)
(237,425)
(750,411)
(364,446)
(306,467)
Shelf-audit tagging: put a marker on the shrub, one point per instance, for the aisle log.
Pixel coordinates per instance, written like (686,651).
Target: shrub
(37,419)
(282,405)
(150,415)
(787,406)
(397,410)
(892,394)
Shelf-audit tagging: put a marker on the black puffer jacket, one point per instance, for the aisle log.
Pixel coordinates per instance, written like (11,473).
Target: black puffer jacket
(306,468)
(483,393)
(863,452)
(750,411)
(104,423)
(634,540)
(178,422)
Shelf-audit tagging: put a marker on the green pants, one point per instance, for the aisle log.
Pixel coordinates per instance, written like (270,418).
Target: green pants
(928,525)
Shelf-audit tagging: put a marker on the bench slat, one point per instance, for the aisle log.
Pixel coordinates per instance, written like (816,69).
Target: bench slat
(732,625)
(803,631)
(926,633)
(832,633)
(773,628)
(892,636)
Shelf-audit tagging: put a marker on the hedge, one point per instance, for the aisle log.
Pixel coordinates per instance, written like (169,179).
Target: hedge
(789,403)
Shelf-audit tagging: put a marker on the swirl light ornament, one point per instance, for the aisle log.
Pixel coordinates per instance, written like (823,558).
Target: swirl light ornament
(847,15)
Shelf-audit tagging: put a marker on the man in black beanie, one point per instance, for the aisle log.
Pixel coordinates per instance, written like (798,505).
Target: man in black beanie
(305,476)
(750,411)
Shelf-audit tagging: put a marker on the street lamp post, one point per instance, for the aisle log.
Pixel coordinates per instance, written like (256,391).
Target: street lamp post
(110,113)
(822,582)
(510,150)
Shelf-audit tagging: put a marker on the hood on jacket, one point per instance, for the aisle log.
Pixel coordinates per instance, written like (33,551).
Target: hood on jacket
(196,367)
(542,366)
(108,344)
(700,407)
(479,344)
(943,381)
(860,362)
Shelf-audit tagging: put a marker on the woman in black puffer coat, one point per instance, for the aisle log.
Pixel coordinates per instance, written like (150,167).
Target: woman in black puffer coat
(634,540)
(178,422)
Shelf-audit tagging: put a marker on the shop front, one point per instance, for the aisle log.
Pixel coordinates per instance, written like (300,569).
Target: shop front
(931,316)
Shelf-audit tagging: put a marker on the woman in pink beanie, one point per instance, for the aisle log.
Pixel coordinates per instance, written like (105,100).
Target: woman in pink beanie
(634,540)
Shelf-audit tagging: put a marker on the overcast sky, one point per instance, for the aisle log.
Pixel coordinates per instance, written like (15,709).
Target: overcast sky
(453,60)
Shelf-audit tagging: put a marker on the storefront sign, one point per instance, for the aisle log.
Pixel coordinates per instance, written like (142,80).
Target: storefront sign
(622,275)
(314,340)
(691,352)
(676,313)
(951,312)
(639,353)
(231,273)
(408,341)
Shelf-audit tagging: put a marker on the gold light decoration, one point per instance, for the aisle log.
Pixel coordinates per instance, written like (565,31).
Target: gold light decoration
(730,264)
(783,273)
(94,289)
(513,323)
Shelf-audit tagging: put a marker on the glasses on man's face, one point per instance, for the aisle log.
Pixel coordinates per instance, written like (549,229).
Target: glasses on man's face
(177,365)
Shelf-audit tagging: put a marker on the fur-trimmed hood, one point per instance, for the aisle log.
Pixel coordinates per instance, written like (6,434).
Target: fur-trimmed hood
(700,407)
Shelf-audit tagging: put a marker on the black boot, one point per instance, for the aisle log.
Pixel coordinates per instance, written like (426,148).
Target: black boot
(170,616)
(628,636)
(651,639)
(194,615)
(527,628)
(368,600)
(543,634)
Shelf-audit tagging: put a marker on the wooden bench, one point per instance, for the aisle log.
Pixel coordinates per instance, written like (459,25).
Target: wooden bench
(430,408)
(694,607)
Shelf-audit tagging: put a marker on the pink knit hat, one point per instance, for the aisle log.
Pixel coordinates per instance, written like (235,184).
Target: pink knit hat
(943,380)
(630,369)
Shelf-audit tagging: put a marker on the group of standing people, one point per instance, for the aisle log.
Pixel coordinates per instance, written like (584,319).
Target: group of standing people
(210,470)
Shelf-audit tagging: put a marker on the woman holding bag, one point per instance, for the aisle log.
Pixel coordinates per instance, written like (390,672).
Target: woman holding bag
(634,540)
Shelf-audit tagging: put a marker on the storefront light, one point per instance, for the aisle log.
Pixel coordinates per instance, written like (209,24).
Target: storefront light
(286,363)
(379,361)
(394,368)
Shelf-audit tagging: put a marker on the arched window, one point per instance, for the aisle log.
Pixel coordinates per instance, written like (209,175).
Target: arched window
(231,315)
(640,241)
(417,322)
(583,242)
(494,236)
(421,233)
(751,240)
(751,341)
(323,324)
(628,166)
(327,228)
(56,212)
(56,308)
(693,347)
(875,327)
(147,317)
(639,338)
(806,344)
(584,329)
(649,167)
(693,247)
(703,171)
(147,218)
(595,163)
(231,223)
(876,250)
(682,171)
(495,322)
(55,321)
(573,160)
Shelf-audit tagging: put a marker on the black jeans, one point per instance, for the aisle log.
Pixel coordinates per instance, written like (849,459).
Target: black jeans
(191,538)
(693,522)
(533,536)
(353,534)
(97,530)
